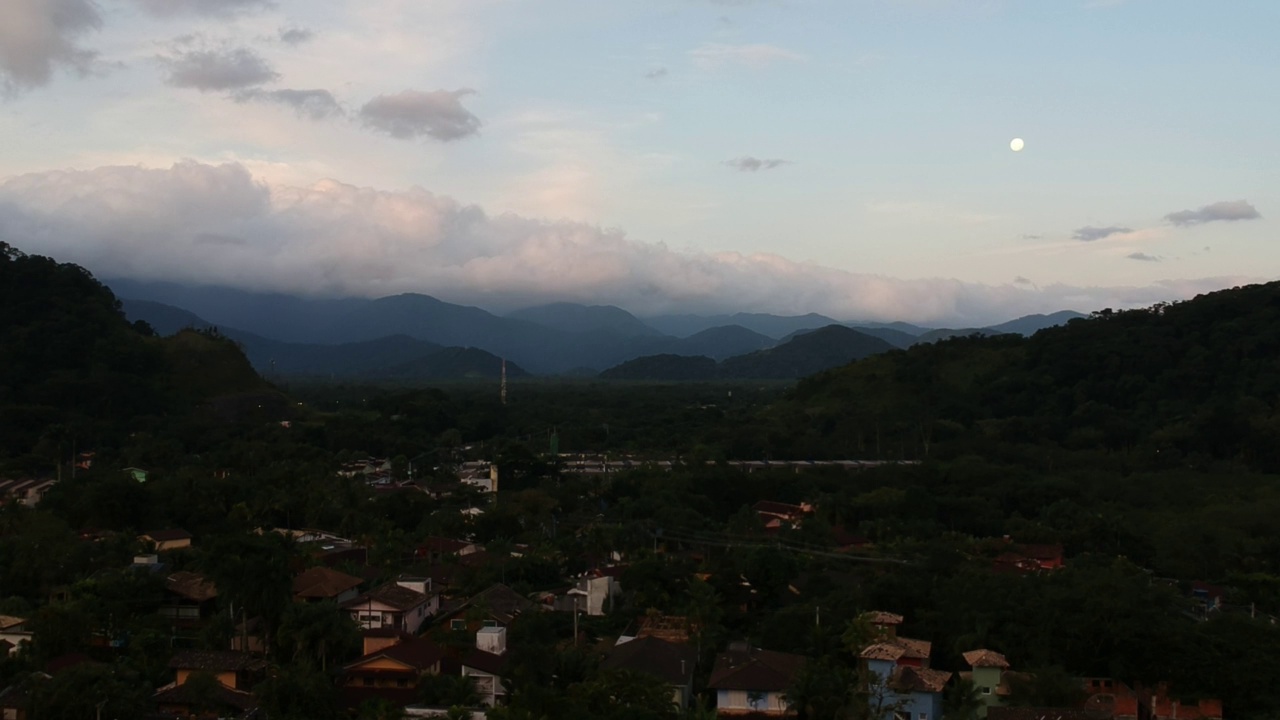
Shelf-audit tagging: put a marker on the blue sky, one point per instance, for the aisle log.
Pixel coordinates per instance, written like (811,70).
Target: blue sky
(841,156)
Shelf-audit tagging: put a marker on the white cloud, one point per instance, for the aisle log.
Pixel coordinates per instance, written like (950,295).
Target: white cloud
(711,55)
(1226,211)
(37,36)
(754,164)
(219,224)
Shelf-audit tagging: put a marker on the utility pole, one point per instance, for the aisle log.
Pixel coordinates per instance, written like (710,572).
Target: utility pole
(502,393)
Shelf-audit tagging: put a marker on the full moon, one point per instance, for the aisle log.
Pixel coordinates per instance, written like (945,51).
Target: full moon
(1016,144)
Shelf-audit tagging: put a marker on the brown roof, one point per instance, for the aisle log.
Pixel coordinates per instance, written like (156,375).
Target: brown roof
(9,621)
(393,595)
(448,546)
(168,535)
(914,648)
(501,602)
(672,628)
(418,653)
(879,617)
(214,661)
(883,651)
(755,669)
(914,679)
(486,662)
(192,586)
(323,582)
(671,662)
(985,658)
(221,695)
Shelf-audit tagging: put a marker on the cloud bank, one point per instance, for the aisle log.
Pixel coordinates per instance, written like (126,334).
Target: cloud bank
(1227,211)
(198,223)
(751,164)
(37,36)
(412,114)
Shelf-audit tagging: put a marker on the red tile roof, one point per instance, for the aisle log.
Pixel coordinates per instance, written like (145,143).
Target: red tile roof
(418,653)
(985,658)
(880,617)
(914,679)
(192,586)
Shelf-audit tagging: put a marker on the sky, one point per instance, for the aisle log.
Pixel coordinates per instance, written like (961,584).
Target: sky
(847,157)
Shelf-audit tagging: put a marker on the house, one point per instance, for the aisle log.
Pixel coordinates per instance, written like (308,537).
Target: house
(1115,699)
(1026,559)
(1209,596)
(479,474)
(13,699)
(230,697)
(439,549)
(391,673)
(986,673)
(162,540)
(672,628)
(320,583)
(250,636)
(590,594)
(402,605)
(13,634)
(752,681)
(673,663)
(776,515)
(896,669)
(25,492)
(486,664)
(190,598)
(496,606)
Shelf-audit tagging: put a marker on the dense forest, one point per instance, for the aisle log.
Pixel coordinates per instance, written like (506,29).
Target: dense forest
(1142,441)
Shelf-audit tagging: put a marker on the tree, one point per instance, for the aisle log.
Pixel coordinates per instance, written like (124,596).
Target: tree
(316,632)
(962,701)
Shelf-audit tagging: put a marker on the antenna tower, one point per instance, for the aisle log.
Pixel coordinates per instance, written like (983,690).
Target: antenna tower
(502,393)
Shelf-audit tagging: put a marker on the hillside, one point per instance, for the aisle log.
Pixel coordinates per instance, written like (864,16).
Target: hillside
(805,354)
(774,326)
(1189,383)
(453,363)
(664,367)
(75,370)
(575,318)
(723,342)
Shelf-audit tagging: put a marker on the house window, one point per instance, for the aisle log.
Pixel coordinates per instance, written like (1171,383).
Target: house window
(986,691)
(402,683)
(457,624)
(368,682)
(491,623)
(922,716)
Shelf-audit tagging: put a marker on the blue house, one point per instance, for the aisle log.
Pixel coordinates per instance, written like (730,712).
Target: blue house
(901,685)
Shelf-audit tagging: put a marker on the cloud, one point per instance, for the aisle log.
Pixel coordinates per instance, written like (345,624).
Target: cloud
(37,36)
(438,114)
(1032,236)
(295,35)
(198,223)
(1090,233)
(751,164)
(1226,211)
(1020,280)
(1144,257)
(713,55)
(313,104)
(211,70)
(656,73)
(216,8)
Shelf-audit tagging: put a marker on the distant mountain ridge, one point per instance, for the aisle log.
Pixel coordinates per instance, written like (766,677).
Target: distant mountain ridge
(308,335)
(805,354)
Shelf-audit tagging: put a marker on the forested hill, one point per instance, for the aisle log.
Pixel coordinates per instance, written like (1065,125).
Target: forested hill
(1174,384)
(73,369)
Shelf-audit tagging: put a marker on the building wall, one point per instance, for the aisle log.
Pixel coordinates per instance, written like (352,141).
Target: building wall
(986,680)
(488,686)
(739,701)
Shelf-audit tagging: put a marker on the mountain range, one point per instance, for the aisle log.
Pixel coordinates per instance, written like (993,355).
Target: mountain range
(394,337)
